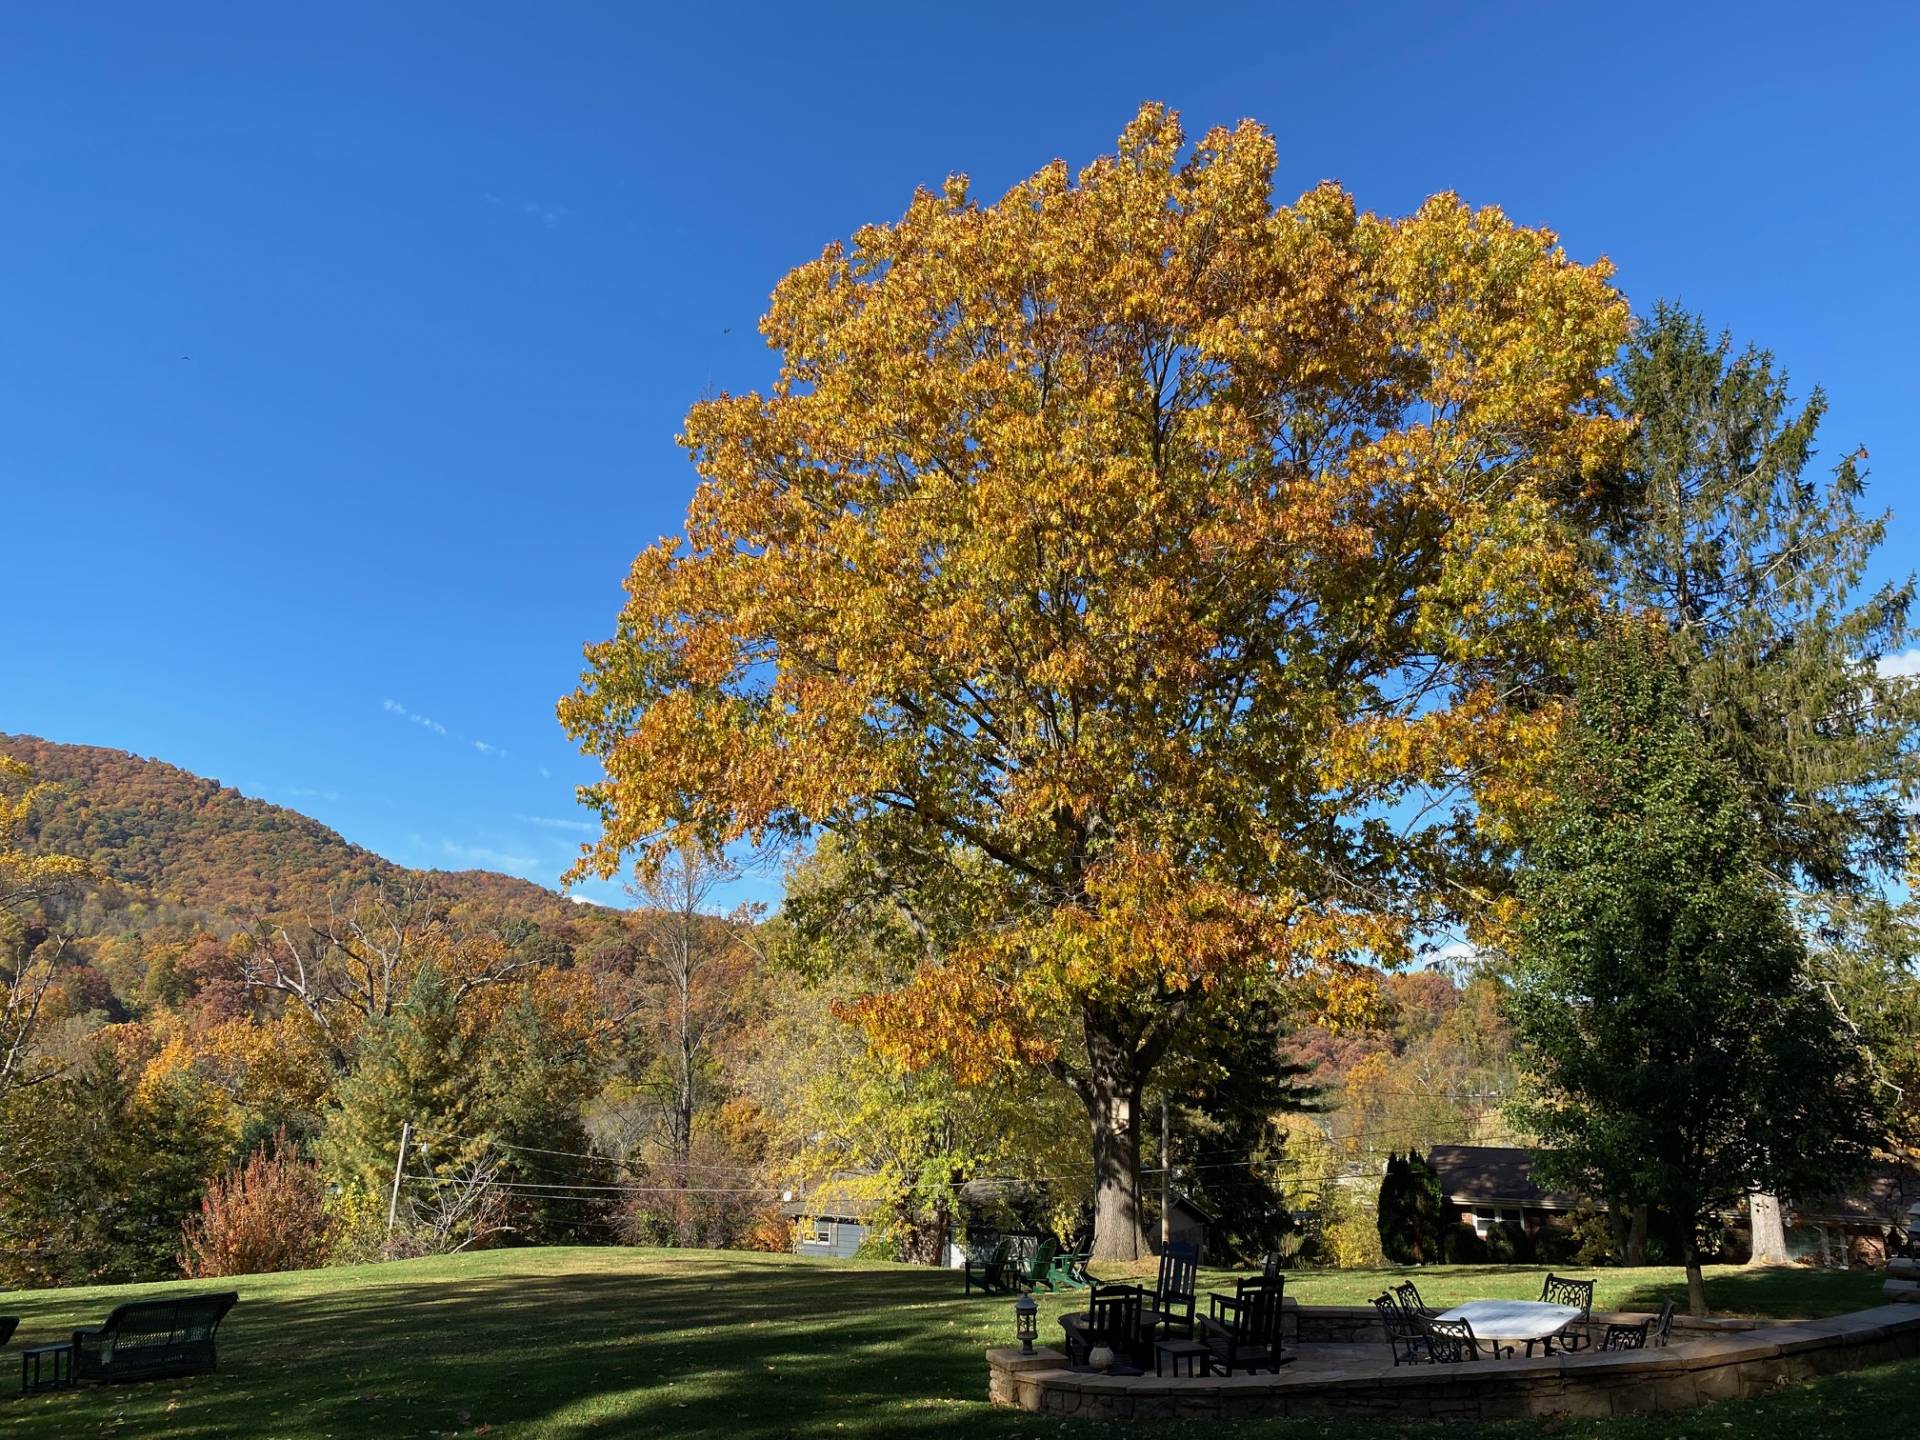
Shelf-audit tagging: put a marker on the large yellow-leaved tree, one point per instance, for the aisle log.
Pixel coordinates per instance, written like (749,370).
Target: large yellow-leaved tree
(1119,559)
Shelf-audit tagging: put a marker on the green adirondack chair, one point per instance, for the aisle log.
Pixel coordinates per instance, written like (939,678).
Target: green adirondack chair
(1037,1269)
(987,1265)
(1068,1270)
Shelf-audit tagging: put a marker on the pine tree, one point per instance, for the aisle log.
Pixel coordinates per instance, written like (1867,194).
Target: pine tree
(1753,565)
(416,1068)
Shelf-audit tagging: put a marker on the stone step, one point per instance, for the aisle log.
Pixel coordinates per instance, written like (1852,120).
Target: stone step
(1903,1267)
(1897,1291)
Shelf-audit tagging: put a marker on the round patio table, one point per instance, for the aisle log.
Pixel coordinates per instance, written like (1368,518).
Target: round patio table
(1513,1319)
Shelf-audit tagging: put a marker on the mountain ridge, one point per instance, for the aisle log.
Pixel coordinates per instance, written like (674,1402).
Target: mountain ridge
(165,834)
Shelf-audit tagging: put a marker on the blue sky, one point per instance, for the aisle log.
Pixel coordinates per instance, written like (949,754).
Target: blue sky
(343,346)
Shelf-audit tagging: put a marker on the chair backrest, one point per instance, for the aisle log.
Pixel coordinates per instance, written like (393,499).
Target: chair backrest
(1113,1314)
(1410,1301)
(1555,1290)
(8,1324)
(1450,1341)
(179,1320)
(1179,1271)
(1256,1311)
(1663,1325)
(1395,1321)
(1626,1337)
(1043,1254)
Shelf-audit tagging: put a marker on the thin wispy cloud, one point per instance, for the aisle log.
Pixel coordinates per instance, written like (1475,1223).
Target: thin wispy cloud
(545,774)
(394,707)
(553,822)
(547,214)
(485,749)
(307,792)
(487,856)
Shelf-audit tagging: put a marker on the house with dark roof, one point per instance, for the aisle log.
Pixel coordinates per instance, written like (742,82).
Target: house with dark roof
(1484,1185)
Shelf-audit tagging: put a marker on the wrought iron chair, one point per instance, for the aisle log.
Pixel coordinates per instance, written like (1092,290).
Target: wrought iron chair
(1625,1337)
(1557,1290)
(1174,1290)
(1243,1329)
(1663,1325)
(1112,1319)
(1410,1301)
(1405,1337)
(1452,1342)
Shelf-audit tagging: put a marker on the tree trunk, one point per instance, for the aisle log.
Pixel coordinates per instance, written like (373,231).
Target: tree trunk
(1619,1231)
(1637,1237)
(1111,1093)
(1769,1230)
(1696,1281)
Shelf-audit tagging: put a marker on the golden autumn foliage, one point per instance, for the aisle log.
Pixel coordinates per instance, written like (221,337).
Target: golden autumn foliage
(1146,538)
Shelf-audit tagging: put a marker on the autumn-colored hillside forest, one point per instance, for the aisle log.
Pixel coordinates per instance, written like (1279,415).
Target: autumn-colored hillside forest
(1235,687)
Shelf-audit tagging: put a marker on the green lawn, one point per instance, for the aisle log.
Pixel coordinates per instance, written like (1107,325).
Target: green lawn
(583,1343)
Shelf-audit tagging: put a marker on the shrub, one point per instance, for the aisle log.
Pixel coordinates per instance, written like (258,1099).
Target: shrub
(268,1214)
(1462,1246)
(1556,1245)
(1593,1237)
(1509,1244)
(1354,1244)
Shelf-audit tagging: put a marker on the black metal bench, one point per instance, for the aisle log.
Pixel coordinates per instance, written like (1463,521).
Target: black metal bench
(146,1339)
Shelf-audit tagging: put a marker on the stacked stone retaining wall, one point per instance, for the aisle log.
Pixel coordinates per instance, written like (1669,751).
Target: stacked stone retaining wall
(1708,1361)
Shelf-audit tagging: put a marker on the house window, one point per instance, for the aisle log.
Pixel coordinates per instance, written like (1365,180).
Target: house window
(823,1232)
(1485,1217)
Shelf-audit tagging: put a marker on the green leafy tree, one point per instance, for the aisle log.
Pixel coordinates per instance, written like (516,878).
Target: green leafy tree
(1753,562)
(98,1174)
(906,1138)
(1679,1051)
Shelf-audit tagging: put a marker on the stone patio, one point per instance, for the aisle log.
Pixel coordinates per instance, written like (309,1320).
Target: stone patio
(1343,1368)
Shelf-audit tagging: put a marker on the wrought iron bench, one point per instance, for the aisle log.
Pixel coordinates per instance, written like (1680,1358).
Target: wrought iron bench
(150,1338)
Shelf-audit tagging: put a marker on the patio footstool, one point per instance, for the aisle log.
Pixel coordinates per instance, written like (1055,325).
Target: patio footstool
(32,1378)
(1193,1353)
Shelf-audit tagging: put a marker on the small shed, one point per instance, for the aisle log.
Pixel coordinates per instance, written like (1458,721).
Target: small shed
(831,1221)
(1187,1223)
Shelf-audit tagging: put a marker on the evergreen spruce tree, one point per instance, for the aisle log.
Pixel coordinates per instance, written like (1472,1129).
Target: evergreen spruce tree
(415,1067)
(1753,565)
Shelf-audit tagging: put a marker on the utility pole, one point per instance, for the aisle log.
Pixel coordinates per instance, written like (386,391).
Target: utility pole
(399,1164)
(1166,1176)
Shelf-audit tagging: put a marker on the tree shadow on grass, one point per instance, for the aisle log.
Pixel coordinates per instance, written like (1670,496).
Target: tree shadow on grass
(1783,1292)
(697,1349)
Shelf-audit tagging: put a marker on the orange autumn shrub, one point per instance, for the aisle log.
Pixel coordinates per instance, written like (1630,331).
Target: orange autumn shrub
(268,1214)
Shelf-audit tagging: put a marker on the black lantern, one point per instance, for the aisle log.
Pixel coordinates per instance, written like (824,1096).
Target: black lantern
(1026,1321)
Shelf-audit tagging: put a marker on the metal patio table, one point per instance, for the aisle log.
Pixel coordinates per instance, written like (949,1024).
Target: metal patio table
(1513,1320)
